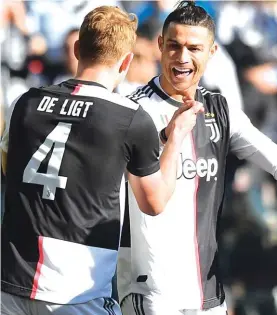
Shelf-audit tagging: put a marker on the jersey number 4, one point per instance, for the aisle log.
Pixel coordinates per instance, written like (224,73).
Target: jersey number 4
(50,180)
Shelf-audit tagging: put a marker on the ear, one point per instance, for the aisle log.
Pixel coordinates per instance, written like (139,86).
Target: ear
(76,50)
(160,43)
(213,50)
(126,62)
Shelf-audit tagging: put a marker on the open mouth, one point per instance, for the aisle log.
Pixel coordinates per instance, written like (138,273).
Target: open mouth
(180,72)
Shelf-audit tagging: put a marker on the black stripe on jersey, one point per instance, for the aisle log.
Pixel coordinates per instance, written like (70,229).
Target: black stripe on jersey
(108,306)
(105,306)
(146,94)
(141,304)
(111,305)
(143,93)
(138,303)
(134,300)
(140,93)
(146,89)
(150,94)
(137,92)
(210,194)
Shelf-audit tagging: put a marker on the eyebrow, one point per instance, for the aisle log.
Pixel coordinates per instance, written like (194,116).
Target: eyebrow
(173,41)
(196,45)
(178,43)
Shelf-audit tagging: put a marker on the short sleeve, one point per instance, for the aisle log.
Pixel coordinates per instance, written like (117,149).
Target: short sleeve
(143,145)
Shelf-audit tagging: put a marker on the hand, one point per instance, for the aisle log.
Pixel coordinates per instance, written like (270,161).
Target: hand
(184,119)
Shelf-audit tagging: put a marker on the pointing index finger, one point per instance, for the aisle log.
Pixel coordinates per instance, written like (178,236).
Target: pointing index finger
(187,96)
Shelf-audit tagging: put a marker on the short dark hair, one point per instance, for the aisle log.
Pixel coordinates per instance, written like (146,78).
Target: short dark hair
(187,13)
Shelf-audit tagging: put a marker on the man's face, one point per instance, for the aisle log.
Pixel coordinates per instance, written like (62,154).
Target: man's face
(185,53)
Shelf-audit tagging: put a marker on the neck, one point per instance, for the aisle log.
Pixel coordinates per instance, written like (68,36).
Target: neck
(99,74)
(177,94)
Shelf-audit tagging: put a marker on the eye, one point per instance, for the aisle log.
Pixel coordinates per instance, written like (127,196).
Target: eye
(173,45)
(194,49)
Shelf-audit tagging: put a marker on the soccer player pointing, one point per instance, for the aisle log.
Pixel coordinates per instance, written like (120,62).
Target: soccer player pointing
(169,264)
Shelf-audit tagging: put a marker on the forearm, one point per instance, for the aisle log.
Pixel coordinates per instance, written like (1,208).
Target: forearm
(153,192)
(260,160)
(168,163)
(252,145)
(266,157)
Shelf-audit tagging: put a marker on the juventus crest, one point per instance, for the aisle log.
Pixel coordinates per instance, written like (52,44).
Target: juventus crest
(212,124)
(209,122)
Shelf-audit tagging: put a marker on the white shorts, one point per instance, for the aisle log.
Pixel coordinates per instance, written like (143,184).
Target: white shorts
(16,305)
(138,304)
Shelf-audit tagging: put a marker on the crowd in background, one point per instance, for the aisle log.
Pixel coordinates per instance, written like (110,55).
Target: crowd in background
(37,49)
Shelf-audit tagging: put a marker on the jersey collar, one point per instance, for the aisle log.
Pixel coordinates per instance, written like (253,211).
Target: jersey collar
(156,87)
(83,82)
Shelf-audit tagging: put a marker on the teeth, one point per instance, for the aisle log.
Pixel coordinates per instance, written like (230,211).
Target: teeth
(182,70)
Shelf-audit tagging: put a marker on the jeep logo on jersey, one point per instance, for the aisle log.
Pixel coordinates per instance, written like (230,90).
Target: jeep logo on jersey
(215,134)
(202,167)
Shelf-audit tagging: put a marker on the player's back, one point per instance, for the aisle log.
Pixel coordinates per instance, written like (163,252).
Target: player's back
(67,153)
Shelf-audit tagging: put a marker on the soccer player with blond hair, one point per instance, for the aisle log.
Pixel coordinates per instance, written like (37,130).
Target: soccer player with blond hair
(67,148)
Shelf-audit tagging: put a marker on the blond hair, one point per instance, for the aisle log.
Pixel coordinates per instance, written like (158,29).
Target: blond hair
(106,34)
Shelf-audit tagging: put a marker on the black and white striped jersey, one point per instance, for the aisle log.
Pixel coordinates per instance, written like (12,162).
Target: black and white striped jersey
(175,253)
(68,147)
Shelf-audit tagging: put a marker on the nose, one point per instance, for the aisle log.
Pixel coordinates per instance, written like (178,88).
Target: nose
(184,56)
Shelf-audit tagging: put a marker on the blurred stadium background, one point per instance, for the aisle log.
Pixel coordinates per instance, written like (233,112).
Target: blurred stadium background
(36,49)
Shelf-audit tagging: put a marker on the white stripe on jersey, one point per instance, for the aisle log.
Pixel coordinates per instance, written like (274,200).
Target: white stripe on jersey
(102,93)
(163,247)
(140,93)
(204,91)
(76,280)
(122,196)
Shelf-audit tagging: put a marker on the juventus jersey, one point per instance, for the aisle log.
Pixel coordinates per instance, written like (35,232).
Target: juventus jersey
(175,253)
(68,148)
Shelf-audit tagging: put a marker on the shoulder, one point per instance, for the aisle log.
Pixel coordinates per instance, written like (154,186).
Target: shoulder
(20,99)
(123,101)
(210,95)
(28,98)
(88,91)
(141,93)
(110,97)
(212,99)
(216,106)
(33,92)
